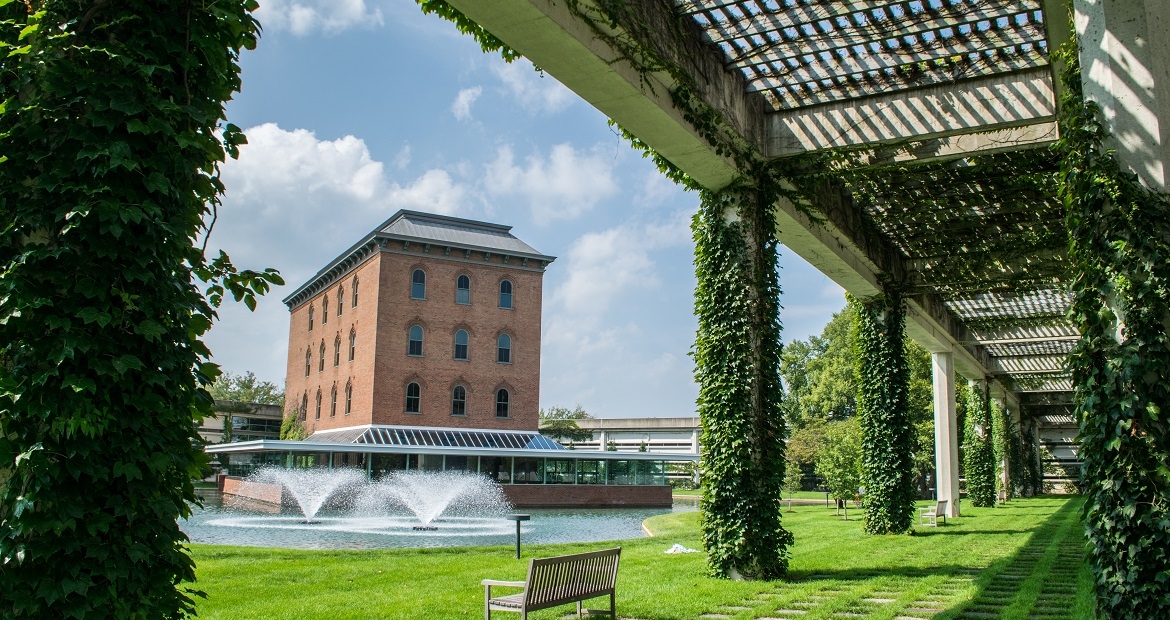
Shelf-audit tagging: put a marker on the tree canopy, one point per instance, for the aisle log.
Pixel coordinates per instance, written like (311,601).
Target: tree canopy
(246,388)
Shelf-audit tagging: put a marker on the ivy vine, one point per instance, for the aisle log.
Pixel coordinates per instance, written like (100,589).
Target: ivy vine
(110,141)
(978,450)
(883,379)
(1121,366)
(737,367)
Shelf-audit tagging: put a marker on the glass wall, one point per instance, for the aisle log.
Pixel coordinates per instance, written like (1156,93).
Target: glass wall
(620,472)
(590,472)
(498,468)
(383,464)
(528,471)
(560,471)
(504,470)
(651,473)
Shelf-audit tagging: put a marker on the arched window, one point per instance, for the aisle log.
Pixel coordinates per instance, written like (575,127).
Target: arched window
(506,294)
(337,351)
(501,403)
(352,344)
(463,290)
(308,360)
(321,363)
(318,414)
(504,349)
(348,398)
(325,310)
(416,341)
(333,402)
(354,287)
(459,401)
(304,404)
(340,299)
(413,396)
(461,345)
(418,284)
(310,318)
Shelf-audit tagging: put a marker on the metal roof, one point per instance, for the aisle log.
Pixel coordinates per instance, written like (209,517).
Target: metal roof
(438,437)
(453,231)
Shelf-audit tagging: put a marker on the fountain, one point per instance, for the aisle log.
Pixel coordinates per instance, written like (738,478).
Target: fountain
(311,488)
(409,503)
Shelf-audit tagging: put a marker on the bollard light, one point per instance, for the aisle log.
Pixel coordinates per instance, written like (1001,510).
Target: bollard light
(518,519)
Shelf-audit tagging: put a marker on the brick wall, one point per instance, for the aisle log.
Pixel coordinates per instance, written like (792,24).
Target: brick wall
(362,321)
(586,496)
(437,372)
(381,368)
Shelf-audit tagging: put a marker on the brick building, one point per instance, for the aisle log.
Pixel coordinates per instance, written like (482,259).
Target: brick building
(418,348)
(427,321)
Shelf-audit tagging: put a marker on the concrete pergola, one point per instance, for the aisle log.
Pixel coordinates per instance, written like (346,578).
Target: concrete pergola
(939,83)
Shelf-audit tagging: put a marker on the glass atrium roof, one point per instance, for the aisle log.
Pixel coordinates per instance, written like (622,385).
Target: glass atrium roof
(439,437)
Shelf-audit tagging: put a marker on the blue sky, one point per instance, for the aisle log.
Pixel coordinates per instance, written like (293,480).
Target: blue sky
(357,108)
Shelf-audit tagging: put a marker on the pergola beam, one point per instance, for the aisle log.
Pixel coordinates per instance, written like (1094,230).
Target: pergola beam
(997,102)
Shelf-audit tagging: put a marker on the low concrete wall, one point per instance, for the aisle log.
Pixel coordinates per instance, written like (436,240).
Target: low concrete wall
(258,491)
(586,496)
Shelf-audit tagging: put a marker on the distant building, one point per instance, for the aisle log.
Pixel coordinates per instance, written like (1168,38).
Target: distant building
(249,421)
(419,348)
(427,321)
(664,435)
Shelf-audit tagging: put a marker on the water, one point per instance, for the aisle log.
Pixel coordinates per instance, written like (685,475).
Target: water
(340,509)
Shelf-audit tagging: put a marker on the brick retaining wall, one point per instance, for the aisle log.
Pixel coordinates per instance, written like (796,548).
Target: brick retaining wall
(587,496)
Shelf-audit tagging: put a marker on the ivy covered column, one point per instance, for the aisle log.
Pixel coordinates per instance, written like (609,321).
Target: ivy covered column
(1119,232)
(737,366)
(979,461)
(883,379)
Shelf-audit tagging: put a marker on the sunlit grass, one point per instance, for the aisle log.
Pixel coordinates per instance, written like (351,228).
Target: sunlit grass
(1020,560)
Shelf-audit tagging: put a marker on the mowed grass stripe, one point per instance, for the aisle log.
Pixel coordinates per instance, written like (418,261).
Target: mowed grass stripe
(834,568)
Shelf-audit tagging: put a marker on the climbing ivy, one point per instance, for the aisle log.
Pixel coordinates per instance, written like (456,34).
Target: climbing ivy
(883,379)
(737,367)
(1121,366)
(978,450)
(110,141)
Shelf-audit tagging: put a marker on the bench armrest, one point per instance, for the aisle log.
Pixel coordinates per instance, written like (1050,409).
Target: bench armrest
(507,584)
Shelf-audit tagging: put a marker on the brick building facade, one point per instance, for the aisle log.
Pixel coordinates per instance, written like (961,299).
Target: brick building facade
(428,321)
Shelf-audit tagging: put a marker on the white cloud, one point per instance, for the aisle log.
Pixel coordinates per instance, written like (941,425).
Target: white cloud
(538,93)
(434,191)
(564,186)
(304,17)
(602,266)
(461,107)
(294,202)
(403,158)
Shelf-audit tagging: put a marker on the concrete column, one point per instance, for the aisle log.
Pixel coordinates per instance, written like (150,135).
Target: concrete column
(946,432)
(604,440)
(1125,68)
(695,441)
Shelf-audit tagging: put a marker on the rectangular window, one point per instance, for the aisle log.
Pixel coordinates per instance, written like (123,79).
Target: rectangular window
(590,472)
(498,468)
(529,471)
(560,471)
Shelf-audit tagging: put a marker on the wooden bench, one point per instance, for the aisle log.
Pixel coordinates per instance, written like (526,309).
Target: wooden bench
(558,581)
(930,516)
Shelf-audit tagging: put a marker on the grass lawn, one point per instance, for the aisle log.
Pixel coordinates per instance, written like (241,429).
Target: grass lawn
(1020,560)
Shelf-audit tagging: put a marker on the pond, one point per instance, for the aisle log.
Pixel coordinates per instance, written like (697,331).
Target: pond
(334,529)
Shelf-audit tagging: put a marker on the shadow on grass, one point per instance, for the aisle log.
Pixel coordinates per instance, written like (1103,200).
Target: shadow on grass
(1038,581)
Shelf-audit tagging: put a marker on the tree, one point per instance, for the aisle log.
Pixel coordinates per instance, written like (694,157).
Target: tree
(839,460)
(564,430)
(564,413)
(246,388)
(560,424)
(110,145)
